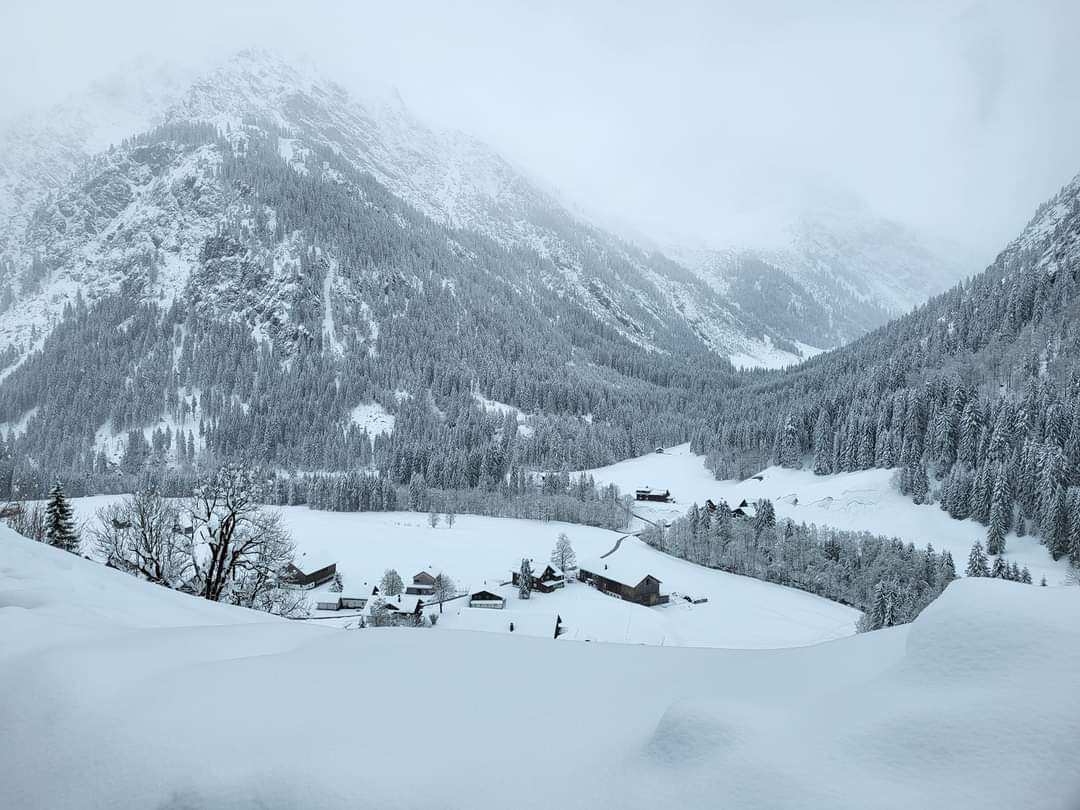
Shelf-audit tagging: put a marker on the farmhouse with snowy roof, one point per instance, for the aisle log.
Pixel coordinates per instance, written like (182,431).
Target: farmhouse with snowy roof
(624,580)
(744,510)
(312,575)
(423,584)
(544,580)
(485,598)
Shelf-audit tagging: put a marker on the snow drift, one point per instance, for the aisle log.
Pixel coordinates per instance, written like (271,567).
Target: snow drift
(115,693)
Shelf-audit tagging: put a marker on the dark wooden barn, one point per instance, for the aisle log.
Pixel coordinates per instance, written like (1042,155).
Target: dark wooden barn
(486,599)
(658,495)
(299,578)
(641,589)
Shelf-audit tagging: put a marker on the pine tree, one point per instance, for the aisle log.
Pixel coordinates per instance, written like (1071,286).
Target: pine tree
(977,563)
(337,585)
(790,452)
(1001,509)
(60,521)
(947,570)
(920,483)
(525,579)
(999,570)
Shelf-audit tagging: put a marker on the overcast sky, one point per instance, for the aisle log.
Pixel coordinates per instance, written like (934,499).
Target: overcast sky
(705,122)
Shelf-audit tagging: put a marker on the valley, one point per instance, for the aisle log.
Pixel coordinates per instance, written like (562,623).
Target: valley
(347,461)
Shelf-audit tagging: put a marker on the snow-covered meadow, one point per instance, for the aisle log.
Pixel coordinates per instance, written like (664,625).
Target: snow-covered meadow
(119,694)
(481,552)
(858,501)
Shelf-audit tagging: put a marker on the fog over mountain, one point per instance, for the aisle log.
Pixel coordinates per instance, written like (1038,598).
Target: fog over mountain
(706,125)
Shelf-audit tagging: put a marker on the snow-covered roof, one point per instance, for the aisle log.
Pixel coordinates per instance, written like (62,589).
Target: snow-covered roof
(498,596)
(620,569)
(309,565)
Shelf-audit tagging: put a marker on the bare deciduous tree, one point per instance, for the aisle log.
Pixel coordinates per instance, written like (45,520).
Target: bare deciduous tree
(443,589)
(239,549)
(26,519)
(141,535)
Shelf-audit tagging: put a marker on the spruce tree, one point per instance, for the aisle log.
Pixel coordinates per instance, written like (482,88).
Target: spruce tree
(1000,514)
(525,579)
(999,570)
(60,522)
(977,565)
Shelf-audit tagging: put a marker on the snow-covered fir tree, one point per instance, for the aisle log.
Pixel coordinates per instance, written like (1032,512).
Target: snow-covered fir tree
(525,576)
(60,528)
(977,565)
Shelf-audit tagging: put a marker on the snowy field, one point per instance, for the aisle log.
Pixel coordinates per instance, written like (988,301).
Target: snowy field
(119,694)
(481,552)
(859,501)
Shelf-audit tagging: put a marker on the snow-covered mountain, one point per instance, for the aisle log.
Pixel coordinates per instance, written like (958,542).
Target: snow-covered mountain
(836,275)
(102,214)
(40,151)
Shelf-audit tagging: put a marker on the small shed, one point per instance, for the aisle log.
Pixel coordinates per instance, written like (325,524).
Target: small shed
(486,599)
(328,602)
(353,602)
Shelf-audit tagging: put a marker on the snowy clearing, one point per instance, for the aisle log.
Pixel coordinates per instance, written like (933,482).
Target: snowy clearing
(858,501)
(372,417)
(930,715)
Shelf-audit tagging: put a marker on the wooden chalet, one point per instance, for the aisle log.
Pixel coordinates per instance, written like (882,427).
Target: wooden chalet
(402,616)
(486,599)
(544,580)
(744,510)
(312,578)
(423,584)
(657,495)
(619,580)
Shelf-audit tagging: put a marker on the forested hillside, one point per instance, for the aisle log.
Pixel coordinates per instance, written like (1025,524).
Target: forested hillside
(975,396)
(314,292)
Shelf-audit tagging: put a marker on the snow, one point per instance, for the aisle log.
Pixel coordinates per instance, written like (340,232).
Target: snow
(372,417)
(481,552)
(765,354)
(111,697)
(18,426)
(859,501)
(328,310)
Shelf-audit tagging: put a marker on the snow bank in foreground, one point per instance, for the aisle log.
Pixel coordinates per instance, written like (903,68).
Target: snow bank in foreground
(157,702)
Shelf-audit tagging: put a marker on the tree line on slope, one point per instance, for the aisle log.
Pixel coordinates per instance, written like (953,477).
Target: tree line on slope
(889,580)
(975,396)
(425,321)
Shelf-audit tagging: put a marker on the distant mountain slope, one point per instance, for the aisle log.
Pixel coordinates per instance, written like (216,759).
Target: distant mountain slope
(840,275)
(974,395)
(455,180)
